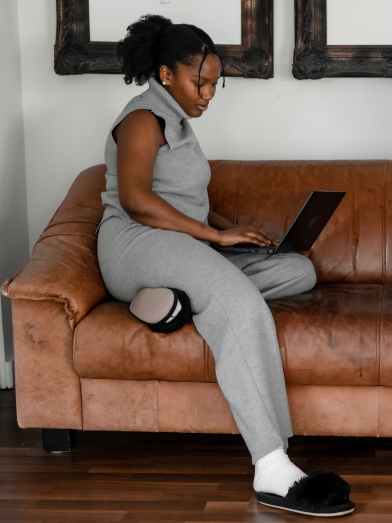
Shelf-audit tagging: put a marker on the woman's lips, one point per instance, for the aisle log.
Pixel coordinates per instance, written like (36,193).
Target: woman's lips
(202,107)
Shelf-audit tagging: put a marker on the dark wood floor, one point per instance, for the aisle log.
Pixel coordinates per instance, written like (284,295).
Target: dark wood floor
(146,477)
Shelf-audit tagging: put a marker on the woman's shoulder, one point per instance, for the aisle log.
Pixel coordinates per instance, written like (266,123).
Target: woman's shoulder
(138,120)
(137,102)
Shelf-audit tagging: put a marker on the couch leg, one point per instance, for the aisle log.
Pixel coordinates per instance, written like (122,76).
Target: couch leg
(58,440)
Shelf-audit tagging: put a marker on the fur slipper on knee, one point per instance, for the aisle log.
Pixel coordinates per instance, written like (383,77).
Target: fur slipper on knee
(320,493)
(178,321)
(149,304)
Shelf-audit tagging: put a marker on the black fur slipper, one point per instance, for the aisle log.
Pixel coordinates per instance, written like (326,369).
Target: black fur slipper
(320,493)
(182,317)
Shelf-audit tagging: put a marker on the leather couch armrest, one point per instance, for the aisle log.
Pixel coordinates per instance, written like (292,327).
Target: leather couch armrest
(63,267)
(48,394)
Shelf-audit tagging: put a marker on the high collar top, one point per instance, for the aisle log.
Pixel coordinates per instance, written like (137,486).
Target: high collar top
(181,172)
(163,100)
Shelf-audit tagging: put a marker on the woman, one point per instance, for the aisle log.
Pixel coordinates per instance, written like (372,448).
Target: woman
(157,228)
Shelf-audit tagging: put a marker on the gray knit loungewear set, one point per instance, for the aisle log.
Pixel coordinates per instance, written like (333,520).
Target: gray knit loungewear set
(227,290)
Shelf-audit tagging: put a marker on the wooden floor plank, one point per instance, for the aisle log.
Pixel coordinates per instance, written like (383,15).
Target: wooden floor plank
(171,478)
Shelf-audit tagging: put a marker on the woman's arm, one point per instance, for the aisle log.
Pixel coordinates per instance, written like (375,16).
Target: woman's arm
(219,222)
(136,155)
(152,210)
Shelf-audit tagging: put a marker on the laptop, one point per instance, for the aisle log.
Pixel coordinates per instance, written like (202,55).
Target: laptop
(304,230)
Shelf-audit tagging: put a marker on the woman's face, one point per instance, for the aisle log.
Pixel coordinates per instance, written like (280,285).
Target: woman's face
(183,87)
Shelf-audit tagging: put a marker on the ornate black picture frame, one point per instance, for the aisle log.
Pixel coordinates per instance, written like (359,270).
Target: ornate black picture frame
(314,59)
(75,54)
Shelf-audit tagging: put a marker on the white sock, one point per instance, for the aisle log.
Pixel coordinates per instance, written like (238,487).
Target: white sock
(275,473)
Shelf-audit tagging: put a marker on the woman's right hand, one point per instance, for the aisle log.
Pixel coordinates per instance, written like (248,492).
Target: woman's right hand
(245,234)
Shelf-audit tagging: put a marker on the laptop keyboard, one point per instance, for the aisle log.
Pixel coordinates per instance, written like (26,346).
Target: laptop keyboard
(252,245)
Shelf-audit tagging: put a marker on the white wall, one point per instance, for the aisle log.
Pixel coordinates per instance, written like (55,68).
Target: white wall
(14,241)
(67,118)
(358,22)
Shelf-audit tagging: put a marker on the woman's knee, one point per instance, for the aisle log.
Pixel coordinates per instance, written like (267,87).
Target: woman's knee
(306,268)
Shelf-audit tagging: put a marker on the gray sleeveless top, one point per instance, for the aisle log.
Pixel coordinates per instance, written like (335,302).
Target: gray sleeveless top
(181,171)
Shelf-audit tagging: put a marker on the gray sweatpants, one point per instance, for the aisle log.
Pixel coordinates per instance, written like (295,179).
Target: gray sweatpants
(227,292)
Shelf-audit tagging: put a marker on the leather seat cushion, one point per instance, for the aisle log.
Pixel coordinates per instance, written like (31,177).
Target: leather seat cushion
(336,334)
(112,343)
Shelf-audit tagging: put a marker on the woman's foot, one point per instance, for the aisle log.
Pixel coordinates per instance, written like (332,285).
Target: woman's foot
(275,473)
(319,493)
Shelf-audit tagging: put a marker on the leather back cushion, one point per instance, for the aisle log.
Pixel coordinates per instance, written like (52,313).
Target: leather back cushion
(355,246)
(356,243)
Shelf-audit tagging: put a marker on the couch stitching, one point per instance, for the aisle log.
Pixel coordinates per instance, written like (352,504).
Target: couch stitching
(378,417)
(384,243)
(306,429)
(66,222)
(356,234)
(378,334)
(81,402)
(67,234)
(384,291)
(237,192)
(157,411)
(80,380)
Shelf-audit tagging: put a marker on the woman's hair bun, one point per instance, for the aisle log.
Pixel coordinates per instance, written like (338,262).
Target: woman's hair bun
(150,27)
(138,49)
(153,41)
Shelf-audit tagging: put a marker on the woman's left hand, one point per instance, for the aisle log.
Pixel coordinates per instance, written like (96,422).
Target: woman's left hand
(256,229)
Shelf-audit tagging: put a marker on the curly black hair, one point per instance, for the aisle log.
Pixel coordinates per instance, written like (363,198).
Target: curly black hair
(154,40)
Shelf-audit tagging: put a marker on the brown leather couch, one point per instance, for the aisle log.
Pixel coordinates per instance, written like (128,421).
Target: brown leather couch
(83,361)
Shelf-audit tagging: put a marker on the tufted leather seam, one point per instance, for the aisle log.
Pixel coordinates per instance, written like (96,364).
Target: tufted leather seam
(81,401)
(356,235)
(50,224)
(378,335)
(306,429)
(74,349)
(378,416)
(80,381)
(384,242)
(157,382)
(66,234)
(379,329)
(237,194)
